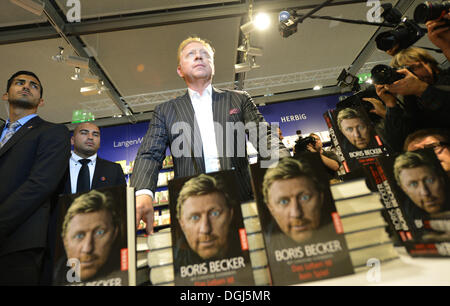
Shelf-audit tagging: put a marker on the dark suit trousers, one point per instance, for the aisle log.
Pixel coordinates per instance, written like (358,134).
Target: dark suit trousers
(21,268)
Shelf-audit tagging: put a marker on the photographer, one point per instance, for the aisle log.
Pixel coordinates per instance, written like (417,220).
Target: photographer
(315,145)
(439,34)
(424,96)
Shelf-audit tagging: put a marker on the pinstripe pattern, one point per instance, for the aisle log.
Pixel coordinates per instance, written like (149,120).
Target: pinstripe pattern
(151,153)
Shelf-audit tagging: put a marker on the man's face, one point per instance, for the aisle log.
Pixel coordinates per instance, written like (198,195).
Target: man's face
(24,92)
(422,70)
(295,205)
(442,151)
(196,62)
(205,221)
(424,188)
(89,238)
(356,131)
(86,139)
(318,146)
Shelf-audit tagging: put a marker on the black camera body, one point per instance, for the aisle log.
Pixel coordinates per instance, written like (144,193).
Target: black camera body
(402,36)
(384,74)
(303,142)
(356,100)
(430,11)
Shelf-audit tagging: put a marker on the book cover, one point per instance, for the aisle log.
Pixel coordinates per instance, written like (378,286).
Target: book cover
(96,238)
(297,215)
(353,132)
(422,190)
(210,245)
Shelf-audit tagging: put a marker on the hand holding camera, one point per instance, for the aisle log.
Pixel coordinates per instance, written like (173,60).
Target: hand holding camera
(408,85)
(439,33)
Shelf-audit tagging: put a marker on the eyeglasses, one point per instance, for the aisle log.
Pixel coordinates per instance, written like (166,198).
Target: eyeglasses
(438,147)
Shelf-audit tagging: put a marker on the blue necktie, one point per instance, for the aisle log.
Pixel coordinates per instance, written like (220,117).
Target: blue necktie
(11,129)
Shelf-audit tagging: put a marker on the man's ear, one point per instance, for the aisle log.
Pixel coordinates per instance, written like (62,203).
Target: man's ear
(179,72)
(41,102)
(5,96)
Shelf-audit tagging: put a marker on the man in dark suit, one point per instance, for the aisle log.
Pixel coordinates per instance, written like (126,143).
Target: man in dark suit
(205,129)
(33,159)
(98,172)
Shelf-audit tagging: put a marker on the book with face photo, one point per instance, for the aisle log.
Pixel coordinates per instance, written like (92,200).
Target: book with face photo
(96,239)
(209,240)
(422,190)
(354,136)
(301,228)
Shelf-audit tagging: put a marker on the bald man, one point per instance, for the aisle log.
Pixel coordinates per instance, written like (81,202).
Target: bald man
(87,170)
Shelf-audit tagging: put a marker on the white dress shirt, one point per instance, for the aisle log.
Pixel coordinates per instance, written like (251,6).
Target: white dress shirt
(75,167)
(202,105)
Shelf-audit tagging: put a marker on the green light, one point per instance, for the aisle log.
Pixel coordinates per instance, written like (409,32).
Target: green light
(81,115)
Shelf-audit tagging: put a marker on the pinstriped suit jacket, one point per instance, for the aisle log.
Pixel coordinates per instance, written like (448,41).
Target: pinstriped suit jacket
(174,123)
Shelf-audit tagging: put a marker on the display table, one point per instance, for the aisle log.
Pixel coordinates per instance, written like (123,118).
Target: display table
(404,271)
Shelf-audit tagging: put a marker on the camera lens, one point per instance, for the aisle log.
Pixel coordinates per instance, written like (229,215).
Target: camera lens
(430,11)
(383,74)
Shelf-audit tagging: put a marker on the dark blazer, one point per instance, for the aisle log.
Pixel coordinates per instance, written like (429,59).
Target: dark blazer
(32,163)
(174,124)
(106,174)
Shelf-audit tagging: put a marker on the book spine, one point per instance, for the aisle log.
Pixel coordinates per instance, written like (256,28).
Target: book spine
(389,200)
(257,250)
(437,249)
(334,139)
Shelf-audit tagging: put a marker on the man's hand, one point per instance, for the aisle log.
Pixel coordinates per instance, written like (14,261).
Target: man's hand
(379,108)
(409,85)
(144,211)
(388,98)
(440,37)
(311,148)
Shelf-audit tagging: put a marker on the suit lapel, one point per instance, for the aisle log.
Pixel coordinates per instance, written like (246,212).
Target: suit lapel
(24,130)
(221,105)
(97,171)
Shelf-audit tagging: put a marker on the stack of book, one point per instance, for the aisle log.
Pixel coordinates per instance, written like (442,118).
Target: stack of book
(361,214)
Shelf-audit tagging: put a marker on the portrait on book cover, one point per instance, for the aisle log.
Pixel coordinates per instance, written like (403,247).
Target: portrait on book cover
(426,191)
(296,212)
(295,198)
(207,221)
(91,235)
(356,128)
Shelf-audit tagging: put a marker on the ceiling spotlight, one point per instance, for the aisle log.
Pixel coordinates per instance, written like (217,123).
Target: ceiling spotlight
(59,57)
(71,60)
(89,90)
(262,21)
(250,51)
(242,67)
(102,88)
(246,66)
(77,61)
(76,76)
(317,87)
(34,6)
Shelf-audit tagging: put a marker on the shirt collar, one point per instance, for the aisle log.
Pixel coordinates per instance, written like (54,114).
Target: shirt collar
(23,120)
(195,94)
(75,158)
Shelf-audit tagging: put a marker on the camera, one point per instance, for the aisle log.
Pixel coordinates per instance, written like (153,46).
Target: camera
(404,35)
(430,11)
(356,100)
(302,143)
(287,23)
(384,74)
